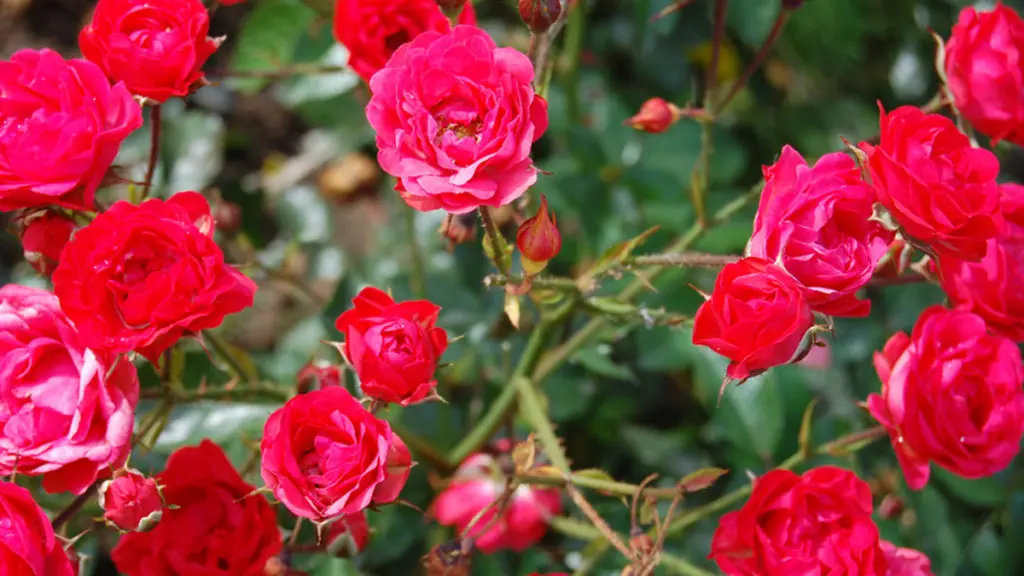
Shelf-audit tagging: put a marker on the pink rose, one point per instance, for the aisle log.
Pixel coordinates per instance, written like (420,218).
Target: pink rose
(906,561)
(455,118)
(951,394)
(991,288)
(28,546)
(66,412)
(813,222)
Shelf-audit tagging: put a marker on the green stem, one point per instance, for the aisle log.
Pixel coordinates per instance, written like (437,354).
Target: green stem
(496,241)
(424,449)
(759,59)
(221,349)
(543,282)
(536,415)
(256,390)
(684,260)
(417,280)
(573,48)
(718,36)
(677,565)
(700,178)
(608,486)
(154,149)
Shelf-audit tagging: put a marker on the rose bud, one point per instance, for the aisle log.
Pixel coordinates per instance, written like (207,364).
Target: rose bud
(156,47)
(476,484)
(324,456)
(896,259)
(539,15)
(940,190)
(385,25)
(906,561)
(757,317)
(131,501)
(459,229)
(227,216)
(991,288)
(792,4)
(457,132)
(348,534)
(538,239)
(43,236)
(29,544)
(452,8)
(890,507)
(448,559)
(951,394)
(982,60)
(655,116)
(316,375)
(815,523)
(393,347)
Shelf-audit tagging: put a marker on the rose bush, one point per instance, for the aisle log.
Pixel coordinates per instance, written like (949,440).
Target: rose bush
(66,411)
(61,125)
(951,394)
(456,117)
(324,456)
(142,277)
(28,546)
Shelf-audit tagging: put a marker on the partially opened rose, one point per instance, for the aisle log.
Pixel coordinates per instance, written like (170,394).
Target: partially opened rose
(951,394)
(906,561)
(325,456)
(66,411)
(28,546)
(456,117)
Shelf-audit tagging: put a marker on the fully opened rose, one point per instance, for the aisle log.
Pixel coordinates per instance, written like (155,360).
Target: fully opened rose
(61,125)
(940,190)
(813,222)
(324,456)
(28,546)
(156,47)
(393,347)
(214,524)
(372,30)
(815,523)
(983,69)
(951,394)
(757,317)
(66,411)
(142,277)
(456,117)
(991,288)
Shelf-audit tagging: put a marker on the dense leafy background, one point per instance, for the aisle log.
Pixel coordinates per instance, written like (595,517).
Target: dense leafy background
(321,223)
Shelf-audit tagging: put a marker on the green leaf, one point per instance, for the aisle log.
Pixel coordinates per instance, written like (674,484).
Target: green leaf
(596,362)
(328,566)
(618,253)
(987,492)
(268,39)
(701,479)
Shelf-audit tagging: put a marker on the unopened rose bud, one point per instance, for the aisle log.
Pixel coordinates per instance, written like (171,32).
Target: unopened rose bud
(316,375)
(451,8)
(792,4)
(228,216)
(43,236)
(459,229)
(891,507)
(655,116)
(538,239)
(539,15)
(131,501)
(447,559)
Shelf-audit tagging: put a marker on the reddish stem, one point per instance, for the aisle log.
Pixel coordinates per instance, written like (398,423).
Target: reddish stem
(759,58)
(711,78)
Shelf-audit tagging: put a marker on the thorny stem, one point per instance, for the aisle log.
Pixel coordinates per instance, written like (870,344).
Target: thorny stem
(496,240)
(264,390)
(76,505)
(685,260)
(294,70)
(759,59)
(540,48)
(573,47)
(498,505)
(711,74)
(612,487)
(909,278)
(598,522)
(542,282)
(154,149)
(221,349)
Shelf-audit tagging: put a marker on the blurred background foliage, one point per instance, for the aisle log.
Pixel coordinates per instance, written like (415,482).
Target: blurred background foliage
(318,221)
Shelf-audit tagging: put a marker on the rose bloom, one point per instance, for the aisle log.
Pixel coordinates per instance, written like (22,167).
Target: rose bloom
(393,347)
(757,317)
(455,118)
(43,236)
(61,125)
(141,277)
(28,546)
(66,412)
(940,190)
(992,288)
(131,501)
(325,456)
(815,523)
(476,484)
(372,30)
(906,561)
(813,222)
(983,57)
(156,47)
(214,524)
(951,394)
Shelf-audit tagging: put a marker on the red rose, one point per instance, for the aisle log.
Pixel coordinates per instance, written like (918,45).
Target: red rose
(984,74)
(28,546)
(214,523)
(156,47)
(131,502)
(325,456)
(951,394)
(992,288)
(43,236)
(906,561)
(756,317)
(393,347)
(813,222)
(372,30)
(62,127)
(477,483)
(456,117)
(815,523)
(940,190)
(66,412)
(141,277)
